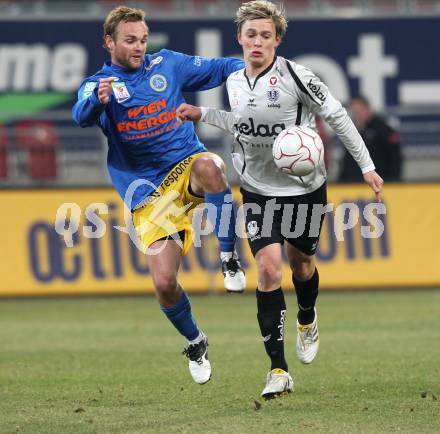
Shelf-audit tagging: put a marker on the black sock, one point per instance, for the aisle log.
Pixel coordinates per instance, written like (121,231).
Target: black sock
(306,294)
(271,315)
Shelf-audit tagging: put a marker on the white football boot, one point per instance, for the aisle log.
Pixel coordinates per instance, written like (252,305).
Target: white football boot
(234,276)
(278,382)
(307,341)
(199,366)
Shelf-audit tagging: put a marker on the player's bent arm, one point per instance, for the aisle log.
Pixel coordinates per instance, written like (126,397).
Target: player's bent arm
(218,118)
(222,119)
(201,73)
(318,99)
(88,108)
(338,119)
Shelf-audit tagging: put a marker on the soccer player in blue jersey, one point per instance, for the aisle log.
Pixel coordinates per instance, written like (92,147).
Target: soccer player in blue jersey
(157,164)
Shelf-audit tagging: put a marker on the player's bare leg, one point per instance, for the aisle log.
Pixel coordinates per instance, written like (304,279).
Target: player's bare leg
(175,304)
(305,278)
(271,315)
(208,179)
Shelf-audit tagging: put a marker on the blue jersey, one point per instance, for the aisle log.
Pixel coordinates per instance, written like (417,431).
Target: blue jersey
(144,137)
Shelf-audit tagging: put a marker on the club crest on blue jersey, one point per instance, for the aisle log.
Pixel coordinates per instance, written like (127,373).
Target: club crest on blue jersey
(158,82)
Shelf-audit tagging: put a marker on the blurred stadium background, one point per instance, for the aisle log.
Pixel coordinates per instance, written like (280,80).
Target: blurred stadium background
(76,366)
(382,49)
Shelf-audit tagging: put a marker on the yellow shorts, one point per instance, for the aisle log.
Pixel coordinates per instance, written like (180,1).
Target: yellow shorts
(167,208)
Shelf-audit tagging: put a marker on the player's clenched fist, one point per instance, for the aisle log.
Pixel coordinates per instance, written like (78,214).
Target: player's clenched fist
(187,112)
(105,89)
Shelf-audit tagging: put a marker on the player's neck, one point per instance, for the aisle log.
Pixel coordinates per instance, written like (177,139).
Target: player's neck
(253,71)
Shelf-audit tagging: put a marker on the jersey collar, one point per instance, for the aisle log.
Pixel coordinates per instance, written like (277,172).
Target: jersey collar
(261,74)
(124,72)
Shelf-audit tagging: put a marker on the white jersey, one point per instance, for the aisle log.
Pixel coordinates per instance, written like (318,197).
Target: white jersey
(284,95)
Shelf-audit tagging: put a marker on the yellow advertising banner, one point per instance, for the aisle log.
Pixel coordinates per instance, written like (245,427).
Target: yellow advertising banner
(35,260)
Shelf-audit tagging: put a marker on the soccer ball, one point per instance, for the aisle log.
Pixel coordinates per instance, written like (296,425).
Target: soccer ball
(298,150)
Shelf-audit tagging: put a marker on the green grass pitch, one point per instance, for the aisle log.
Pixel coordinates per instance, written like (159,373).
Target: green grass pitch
(113,365)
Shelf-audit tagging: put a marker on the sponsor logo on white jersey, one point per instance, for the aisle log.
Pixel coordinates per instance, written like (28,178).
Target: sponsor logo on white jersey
(251,102)
(316,90)
(260,130)
(273,80)
(235,99)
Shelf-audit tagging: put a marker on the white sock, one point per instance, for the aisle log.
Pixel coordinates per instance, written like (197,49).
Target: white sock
(225,256)
(198,339)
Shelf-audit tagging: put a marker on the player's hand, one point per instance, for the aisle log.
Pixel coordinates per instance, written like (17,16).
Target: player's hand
(105,89)
(188,112)
(375,182)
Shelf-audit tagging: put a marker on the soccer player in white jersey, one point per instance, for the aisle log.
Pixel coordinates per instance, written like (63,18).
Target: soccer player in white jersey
(270,94)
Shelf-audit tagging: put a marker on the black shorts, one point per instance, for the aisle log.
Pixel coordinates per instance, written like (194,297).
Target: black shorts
(296,219)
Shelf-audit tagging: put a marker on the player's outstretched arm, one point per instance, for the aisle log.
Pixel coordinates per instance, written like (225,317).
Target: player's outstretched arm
(218,118)
(373,179)
(188,112)
(200,73)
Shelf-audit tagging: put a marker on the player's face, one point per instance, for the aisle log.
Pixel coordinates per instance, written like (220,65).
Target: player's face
(130,44)
(259,42)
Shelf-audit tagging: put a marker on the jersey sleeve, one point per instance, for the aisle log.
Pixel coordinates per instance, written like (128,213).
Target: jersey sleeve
(315,95)
(311,91)
(337,117)
(88,109)
(220,118)
(201,73)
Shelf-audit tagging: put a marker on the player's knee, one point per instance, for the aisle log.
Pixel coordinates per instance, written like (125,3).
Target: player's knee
(304,270)
(211,169)
(210,173)
(166,285)
(269,275)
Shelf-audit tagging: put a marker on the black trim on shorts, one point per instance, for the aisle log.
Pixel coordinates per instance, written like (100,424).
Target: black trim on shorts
(274,231)
(191,192)
(181,235)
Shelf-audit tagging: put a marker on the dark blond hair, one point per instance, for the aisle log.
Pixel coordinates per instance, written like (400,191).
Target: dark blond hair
(121,14)
(262,9)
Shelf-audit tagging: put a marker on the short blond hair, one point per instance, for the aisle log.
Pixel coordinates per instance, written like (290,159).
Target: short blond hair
(121,14)
(262,9)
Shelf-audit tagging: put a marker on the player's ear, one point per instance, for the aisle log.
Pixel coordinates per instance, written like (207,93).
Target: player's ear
(109,42)
(239,38)
(278,41)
